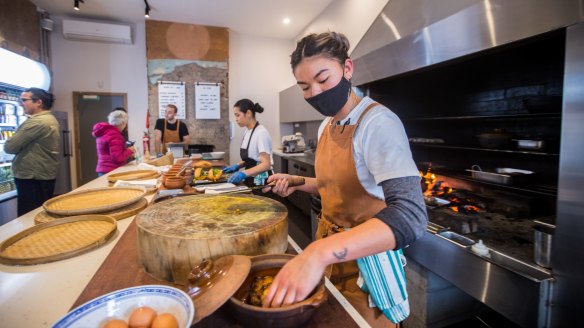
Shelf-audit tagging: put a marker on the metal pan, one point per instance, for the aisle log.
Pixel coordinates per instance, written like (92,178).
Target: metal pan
(530,144)
(504,175)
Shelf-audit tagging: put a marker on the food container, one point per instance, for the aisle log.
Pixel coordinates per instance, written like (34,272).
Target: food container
(498,138)
(530,144)
(213,155)
(506,176)
(174,182)
(229,278)
(542,245)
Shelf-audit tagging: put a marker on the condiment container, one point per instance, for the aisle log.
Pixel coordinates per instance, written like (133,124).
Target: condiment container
(543,237)
(480,248)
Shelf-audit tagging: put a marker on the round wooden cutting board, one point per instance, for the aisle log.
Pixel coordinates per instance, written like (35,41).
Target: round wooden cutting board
(176,235)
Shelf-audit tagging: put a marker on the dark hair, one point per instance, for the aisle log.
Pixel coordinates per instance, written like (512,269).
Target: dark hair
(332,45)
(39,94)
(120,108)
(245,104)
(174,107)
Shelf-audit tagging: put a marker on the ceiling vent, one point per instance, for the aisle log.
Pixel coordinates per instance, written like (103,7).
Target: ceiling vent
(99,32)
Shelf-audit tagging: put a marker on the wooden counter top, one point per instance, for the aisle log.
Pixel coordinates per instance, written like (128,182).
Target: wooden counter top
(122,270)
(38,295)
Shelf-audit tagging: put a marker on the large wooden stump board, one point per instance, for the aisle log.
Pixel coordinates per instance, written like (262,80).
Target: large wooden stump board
(176,235)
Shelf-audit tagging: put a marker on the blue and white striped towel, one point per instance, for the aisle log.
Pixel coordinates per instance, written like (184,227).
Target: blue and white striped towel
(385,281)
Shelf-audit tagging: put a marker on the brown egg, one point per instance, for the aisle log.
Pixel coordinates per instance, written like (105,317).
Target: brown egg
(116,323)
(142,317)
(165,320)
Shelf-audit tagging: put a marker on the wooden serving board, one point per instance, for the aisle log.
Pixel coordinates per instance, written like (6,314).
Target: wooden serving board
(174,234)
(121,269)
(118,214)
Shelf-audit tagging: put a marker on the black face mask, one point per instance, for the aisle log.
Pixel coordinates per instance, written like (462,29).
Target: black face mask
(330,102)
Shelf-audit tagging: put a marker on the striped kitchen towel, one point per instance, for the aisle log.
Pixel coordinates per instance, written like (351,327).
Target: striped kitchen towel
(385,280)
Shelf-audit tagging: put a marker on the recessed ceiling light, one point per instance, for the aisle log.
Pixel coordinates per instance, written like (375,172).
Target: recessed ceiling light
(286,20)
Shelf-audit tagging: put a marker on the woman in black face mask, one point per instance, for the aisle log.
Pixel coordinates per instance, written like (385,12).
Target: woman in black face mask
(372,204)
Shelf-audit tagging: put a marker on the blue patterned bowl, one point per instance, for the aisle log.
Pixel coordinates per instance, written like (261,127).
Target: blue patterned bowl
(120,304)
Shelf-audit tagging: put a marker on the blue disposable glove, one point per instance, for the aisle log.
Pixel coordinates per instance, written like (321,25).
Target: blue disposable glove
(231,168)
(237,177)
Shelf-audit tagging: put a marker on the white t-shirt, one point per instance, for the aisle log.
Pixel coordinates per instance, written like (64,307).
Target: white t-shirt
(381,150)
(261,142)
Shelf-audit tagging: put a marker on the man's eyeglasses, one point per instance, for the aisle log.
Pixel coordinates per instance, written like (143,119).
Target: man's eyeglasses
(23,100)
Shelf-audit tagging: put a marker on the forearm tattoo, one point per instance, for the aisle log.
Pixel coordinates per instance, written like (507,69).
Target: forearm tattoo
(342,254)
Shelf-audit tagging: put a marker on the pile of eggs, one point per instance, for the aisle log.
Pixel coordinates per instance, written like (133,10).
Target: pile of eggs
(145,317)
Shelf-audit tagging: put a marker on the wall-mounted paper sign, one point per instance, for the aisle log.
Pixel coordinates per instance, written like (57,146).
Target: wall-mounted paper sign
(171,93)
(207,101)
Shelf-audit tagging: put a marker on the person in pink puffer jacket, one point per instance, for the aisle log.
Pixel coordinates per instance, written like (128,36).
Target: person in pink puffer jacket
(111,146)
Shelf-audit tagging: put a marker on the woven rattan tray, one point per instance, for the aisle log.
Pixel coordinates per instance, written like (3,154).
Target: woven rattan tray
(57,240)
(92,201)
(118,214)
(167,159)
(133,175)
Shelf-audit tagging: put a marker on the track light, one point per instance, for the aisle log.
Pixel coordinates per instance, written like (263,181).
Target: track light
(76,4)
(147,9)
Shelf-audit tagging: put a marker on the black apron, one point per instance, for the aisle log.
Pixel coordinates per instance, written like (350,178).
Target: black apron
(250,162)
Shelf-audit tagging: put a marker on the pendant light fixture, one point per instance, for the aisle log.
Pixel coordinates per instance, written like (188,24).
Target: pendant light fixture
(147,9)
(76,4)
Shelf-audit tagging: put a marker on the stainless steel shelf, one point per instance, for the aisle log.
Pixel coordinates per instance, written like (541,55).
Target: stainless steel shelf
(512,151)
(528,116)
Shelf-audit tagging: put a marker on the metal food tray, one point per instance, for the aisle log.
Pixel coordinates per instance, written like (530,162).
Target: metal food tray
(506,176)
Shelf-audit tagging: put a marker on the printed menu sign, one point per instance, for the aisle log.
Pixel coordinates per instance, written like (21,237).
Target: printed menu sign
(171,93)
(207,101)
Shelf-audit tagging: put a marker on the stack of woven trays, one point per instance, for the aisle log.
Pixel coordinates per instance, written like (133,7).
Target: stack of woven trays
(118,202)
(167,159)
(72,224)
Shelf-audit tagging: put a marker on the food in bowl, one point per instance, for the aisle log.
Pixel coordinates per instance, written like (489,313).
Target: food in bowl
(145,317)
(119,305)
(259,289)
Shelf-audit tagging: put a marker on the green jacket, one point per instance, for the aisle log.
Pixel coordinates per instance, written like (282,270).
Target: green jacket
(36,146)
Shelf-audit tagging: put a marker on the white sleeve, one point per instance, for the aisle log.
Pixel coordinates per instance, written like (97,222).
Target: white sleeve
(264,142)
(386,150)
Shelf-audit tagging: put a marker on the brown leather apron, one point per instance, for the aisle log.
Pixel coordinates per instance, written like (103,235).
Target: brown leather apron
(170,135)
(345,204)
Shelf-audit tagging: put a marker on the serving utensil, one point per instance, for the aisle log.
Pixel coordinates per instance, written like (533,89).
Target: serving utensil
(184,167)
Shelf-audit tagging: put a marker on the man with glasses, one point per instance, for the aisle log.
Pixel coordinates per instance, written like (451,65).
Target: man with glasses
(36,148)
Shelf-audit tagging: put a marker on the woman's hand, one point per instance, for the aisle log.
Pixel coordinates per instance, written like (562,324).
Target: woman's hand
(231,168)
(237,177)
(281,187)
(295,280)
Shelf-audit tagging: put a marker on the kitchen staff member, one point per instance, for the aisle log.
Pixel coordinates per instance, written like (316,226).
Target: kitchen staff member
(367,180)
(256,148)
(169,129)
(36,146)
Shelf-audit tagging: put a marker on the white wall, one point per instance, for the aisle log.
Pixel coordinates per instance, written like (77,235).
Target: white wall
(258,69)
(100,67)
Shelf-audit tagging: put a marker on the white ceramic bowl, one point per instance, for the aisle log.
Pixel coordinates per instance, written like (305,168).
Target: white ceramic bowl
(120,304)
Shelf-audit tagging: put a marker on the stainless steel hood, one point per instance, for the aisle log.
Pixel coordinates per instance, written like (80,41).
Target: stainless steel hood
(408,35)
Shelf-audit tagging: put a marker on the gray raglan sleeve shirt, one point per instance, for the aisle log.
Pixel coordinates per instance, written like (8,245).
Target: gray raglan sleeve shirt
(406,211)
